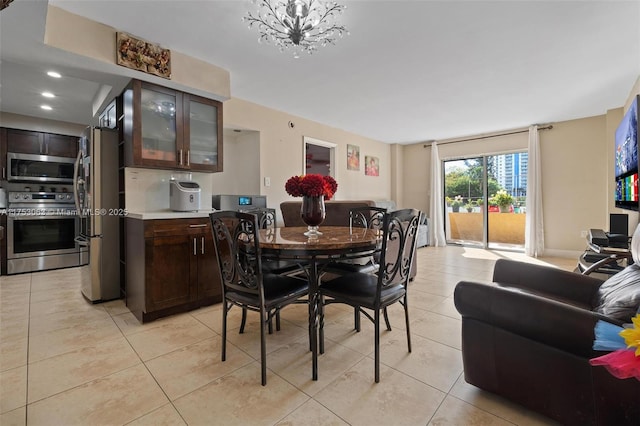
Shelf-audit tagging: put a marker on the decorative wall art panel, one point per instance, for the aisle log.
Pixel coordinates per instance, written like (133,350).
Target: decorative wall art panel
(143,56)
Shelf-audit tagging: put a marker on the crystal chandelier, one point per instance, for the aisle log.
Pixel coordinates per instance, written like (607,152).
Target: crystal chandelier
(4,3)
(297,24)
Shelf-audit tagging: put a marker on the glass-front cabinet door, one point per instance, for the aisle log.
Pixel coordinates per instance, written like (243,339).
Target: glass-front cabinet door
(203,133)
(168,129)
(160,130)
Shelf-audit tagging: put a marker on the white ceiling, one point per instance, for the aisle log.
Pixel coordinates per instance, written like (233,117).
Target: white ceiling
(409,71)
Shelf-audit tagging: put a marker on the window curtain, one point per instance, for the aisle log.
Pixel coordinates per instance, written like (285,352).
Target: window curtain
(436,232)
(534,225)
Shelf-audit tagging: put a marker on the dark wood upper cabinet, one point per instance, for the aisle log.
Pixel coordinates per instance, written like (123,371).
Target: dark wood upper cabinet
(30,142)
(169,129)
(61,145)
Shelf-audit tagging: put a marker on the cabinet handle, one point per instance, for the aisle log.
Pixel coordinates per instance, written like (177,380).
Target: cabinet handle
(4,173)
(194,247)
(202,249)
(181,157)
(188,156)
(202,225)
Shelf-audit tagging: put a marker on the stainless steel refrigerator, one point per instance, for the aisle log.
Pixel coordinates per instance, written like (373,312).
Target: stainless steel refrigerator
(96,193)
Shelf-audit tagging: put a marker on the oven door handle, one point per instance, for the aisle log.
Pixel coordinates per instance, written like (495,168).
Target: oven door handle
(81,241)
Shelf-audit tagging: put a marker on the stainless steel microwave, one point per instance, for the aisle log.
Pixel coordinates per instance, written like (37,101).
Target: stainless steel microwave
(39,168)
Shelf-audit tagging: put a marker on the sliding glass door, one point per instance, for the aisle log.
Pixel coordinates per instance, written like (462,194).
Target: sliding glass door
(507,211)
(464,198)
(485,201)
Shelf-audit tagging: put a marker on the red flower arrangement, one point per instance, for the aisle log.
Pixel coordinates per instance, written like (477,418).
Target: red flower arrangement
(312,185)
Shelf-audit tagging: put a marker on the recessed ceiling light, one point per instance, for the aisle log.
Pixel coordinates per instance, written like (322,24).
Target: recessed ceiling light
(47,107)
(54,74)
(48,95)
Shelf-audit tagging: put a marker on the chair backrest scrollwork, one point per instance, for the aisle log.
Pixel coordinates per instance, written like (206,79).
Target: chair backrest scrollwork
(400,230)
(235,238)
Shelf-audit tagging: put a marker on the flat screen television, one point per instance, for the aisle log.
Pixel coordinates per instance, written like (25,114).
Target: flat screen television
(626,159)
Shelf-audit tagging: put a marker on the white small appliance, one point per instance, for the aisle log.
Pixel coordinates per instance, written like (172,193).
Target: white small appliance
(184,196)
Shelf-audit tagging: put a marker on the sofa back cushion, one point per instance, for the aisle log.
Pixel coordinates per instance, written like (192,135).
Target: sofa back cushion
(337,212)
(619,296)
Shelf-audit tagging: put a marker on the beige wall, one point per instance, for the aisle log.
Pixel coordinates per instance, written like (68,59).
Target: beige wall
(281,152)
(241,164)
(574,182)
(416,173)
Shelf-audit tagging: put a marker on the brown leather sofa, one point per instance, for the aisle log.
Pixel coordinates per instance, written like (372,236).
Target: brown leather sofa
(528,337)
(336,214)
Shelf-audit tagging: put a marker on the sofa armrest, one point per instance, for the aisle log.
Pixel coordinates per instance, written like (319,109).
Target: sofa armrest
(535,317)
(563,285)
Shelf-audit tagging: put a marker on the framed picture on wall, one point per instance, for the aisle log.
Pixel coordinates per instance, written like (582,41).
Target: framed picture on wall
(371,166)
(353,157)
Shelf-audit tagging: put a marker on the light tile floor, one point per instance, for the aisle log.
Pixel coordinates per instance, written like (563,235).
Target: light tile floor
(66,362)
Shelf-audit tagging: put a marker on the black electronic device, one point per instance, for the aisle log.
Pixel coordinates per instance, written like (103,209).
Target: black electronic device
(619,224)
(618,240)
(626,159)
(598,237)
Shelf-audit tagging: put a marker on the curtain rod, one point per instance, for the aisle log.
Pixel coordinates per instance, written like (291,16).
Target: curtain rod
(548,127)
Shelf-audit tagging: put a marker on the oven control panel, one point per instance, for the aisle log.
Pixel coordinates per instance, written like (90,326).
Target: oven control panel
(41,197)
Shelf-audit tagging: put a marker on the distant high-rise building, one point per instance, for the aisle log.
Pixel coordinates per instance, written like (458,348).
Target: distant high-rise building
(511,172)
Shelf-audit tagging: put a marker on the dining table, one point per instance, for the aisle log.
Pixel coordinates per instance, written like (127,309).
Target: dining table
(335,243)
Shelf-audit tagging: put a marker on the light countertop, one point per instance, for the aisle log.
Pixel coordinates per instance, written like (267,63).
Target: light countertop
(168,214)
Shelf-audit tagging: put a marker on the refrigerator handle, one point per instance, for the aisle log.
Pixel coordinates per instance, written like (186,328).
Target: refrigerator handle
(81,241)
(76,169)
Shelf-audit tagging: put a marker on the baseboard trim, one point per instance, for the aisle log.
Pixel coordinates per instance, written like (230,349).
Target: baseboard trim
(570,254)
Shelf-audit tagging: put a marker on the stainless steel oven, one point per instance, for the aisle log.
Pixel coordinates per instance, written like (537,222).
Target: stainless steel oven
(41,232)
(39,168)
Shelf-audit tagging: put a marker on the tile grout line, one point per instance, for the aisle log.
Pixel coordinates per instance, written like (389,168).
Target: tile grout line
(26,396)
(150,373)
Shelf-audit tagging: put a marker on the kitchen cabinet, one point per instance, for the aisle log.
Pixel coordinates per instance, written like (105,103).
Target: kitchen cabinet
(170,129)
(39,143)
(108,119)
(171,266)
(3,152)
(3,244)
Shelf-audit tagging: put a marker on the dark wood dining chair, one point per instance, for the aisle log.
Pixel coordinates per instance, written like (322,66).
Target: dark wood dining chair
(244,283)
(375,292)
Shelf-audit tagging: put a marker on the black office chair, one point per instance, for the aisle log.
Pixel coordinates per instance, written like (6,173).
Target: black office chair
(244,283)
(376,292)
